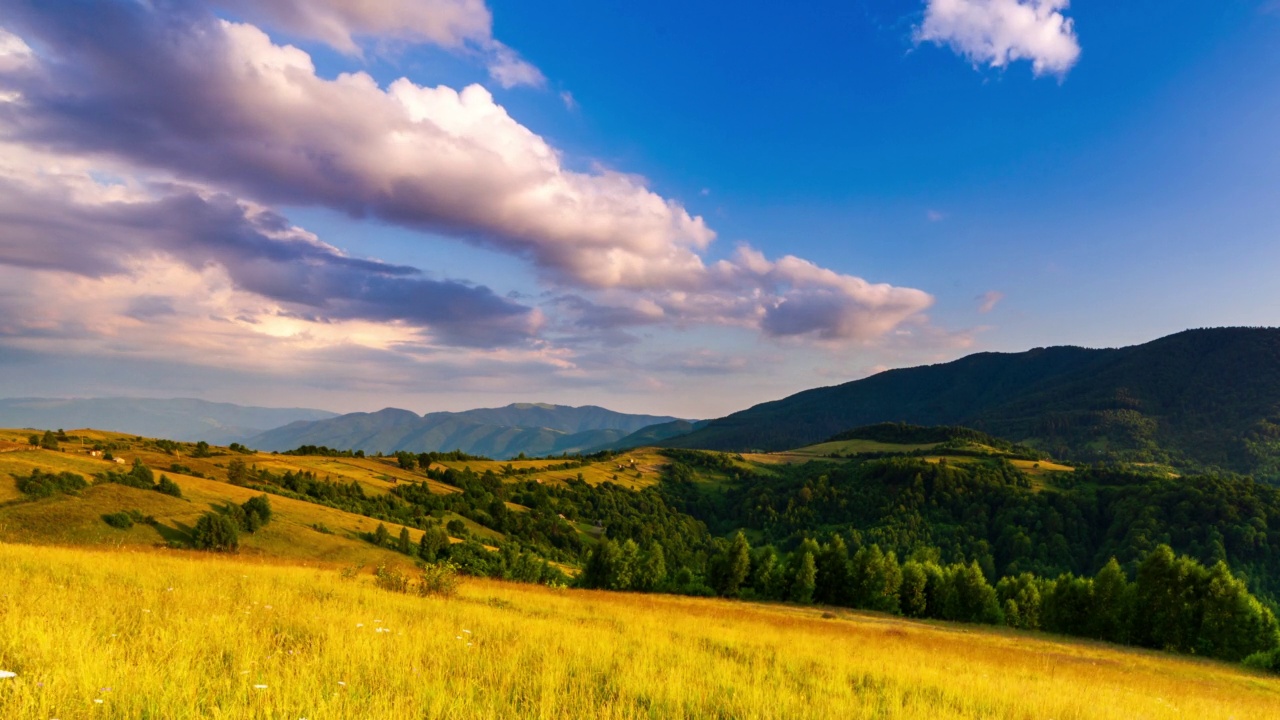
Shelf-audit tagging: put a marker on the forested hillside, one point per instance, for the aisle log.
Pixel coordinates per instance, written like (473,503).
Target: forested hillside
(1200,399)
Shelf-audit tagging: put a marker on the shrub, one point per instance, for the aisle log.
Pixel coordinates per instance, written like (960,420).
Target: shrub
(350,572)
(391,579)
(120,520)
(1268,661)
(216,532)
(322,528)
(438,579)
(169,487)
(456,528)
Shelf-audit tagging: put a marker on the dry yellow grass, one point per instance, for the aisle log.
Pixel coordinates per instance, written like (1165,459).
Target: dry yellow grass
(188,636)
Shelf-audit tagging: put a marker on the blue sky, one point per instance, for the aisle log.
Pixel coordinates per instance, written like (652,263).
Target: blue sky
(914,180)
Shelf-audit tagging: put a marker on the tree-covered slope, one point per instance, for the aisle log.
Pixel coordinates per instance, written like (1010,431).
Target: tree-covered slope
(1201,398)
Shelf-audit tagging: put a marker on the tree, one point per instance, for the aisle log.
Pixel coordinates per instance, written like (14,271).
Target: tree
(733,566)
(404,545)
(433,541)
(1020,600)
(34,441)
(215,532)
(875,579)
(653,568)
(970,598)
(912,596)
(202,450)
(257,512)
(237,472)
(623,575)
(806,577)
(1112,599)
(406,460)
(1235,625)
(49,441)
(765,572)
(142,473)
(381,536)
(832,585)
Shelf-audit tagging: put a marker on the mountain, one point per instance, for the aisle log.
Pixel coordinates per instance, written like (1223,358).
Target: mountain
(654,434)
(1200,398)
(532,429)
(180,419)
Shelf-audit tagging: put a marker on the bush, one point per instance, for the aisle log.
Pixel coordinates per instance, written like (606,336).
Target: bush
(1268,661)
(120,520)
(438,579)
(391,579)
(216,532)
(456,528)
(169,487)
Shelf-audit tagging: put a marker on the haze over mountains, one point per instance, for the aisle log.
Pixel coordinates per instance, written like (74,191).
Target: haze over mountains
(182,419)
(1200,398)
(532,429)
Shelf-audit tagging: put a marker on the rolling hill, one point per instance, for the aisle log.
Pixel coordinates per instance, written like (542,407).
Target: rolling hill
(182,419)
(1197,399)
(531,429)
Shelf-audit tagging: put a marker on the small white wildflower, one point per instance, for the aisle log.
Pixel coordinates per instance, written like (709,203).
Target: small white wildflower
(6,674)
(467,632)
(259,687)
(359,624)
(468,644)
(97,701)
(146,611)
(244,672)
(266,607)
(459,637)
(342,683)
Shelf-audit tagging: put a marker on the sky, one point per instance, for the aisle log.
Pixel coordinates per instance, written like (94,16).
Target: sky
(679,208)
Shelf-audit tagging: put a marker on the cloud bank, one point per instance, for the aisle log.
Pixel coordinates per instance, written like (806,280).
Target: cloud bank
(146,147)
(1000,32)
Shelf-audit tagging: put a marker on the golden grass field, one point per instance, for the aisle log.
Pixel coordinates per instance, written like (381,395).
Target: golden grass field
(102,634)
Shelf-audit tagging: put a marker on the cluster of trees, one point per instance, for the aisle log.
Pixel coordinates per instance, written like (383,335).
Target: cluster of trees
(140,476)
(48,441)
(510,561)
(44,484)
(986,510)
(219,531)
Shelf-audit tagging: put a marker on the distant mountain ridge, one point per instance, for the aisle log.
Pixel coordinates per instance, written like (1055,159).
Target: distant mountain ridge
(530,428)
(183,419)
(1200,398)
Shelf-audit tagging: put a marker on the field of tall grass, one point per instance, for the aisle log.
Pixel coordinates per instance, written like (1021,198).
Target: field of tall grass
(103,634)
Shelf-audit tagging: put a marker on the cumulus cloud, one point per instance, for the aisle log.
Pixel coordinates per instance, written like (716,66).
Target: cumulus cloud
(49,211)
(221,104)
(454,24)
(1000,32)
(989,300)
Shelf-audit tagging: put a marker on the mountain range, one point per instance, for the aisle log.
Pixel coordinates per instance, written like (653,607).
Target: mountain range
(1197,399)
(532,429)
(182,419)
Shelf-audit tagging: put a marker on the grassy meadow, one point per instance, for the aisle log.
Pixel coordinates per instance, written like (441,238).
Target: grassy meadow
(100,634)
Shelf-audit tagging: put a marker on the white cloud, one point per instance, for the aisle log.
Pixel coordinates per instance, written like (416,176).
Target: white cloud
(569,101)
(256,121)
(999,32)
(460,25)
(340,23)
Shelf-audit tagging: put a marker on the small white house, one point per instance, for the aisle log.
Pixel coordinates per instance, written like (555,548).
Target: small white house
(119,461)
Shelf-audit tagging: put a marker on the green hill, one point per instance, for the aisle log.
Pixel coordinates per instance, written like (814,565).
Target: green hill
(1198,399)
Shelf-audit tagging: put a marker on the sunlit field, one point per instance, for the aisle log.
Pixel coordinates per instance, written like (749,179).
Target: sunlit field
(98,634)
